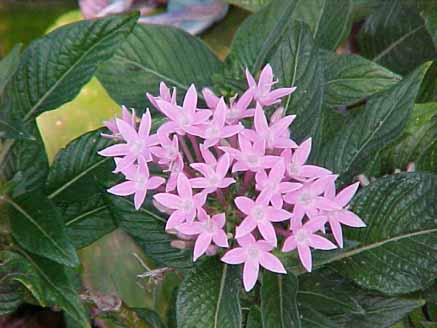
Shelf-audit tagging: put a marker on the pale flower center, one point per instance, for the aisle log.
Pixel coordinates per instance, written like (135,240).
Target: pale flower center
(171,152)
(293,168)
(233,113)
(212,132)
(252,159)
(258,213)
(305,198)
(253,253)
(140,182)
(209,226)
(213,180)
(187,205)
(137,147)
(301,237)
(185,120)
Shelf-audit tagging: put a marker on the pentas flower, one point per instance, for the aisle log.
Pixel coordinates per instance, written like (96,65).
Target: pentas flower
(259,215)
(208,229)
(250,156)
(247,172)
(305,237)
(185,205)
(341,216)
(213,178)
(216,130)
(126,116)
(253,253)
(276,135)
(139,182)
(262,91)
(182,119)
(295,163)
(137,143)
(273,186)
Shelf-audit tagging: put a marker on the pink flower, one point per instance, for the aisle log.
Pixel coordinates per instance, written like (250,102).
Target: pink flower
(208,230)
(259,215)
(272,184)
(250,157)
(342,216)
(295,163)
(276,135)
(238,108)
(262,91)
(139,181)
(215,130)
(184,204)
(126,116)
(213,178)
(175,168)
(164,94)
(309,199)
(253,253)
(185,117)
(304,237)
(137,143)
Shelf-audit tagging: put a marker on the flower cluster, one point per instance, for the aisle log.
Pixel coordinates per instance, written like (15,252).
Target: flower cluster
(233,178)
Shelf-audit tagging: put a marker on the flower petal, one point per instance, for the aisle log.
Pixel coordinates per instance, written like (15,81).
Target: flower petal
(202,243)
(305,257)
(271,263)
(123,189)
(168,200)
(250,274)
(235,256)
(244,204)
(318,242)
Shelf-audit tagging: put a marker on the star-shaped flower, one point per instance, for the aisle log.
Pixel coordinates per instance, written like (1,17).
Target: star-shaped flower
(164,94)
(304,238)
(262,92)
(139,182)
(209,229)
(126,116)
(253,253)
(137,143)
(168,150)
(184,204)
(259,215)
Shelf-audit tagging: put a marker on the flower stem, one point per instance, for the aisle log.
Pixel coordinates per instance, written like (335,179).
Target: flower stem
(220,197)
(248,177)
(282,232)
(196,148)
(185,149)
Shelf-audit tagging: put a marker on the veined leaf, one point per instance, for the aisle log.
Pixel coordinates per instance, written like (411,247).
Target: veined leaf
(345,305)
(428,160)
(11,292)
(47,282)
(427,9)
(375,126)
(351,78)
(278,301)
(147,227)
(37,226)
(152,54)
(209,296)
(399,47)
(252,5)
(8,66)
(254,318)
(54,68)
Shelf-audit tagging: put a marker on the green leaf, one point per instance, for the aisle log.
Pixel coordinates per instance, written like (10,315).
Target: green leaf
(251,5)
(209,296)
(54,68)
(428,160)
(254,318)
(48,284)
(427,9)
(396,252)
(11,292)
(37,226)
(278,301)
(351,78)
(152,54)
(346,306)
(428,89)
(329,21)
(8,66)
(147,227)
(375,126)
(76,184)
(400,47)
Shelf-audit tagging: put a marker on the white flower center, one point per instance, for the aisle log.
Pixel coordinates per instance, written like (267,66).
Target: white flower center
(253,253)
(209,226)
(293,168)
(305,198)
(187,205)
(137,147)
(258,213)
(184,120)
(252,159)
(301,237)
(140,182)
(213,180)
(212,132)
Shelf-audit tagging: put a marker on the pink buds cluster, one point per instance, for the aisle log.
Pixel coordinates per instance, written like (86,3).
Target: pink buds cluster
(230,173)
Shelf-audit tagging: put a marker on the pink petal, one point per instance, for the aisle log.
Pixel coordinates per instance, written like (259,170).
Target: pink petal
(155,182)
(189,228)
(229,131)
(199,183)
(239,167)
(123,189)
(145,124)
(235,256)
(268,232)
(313,171)
(245,99)
(260,120)
(268,161)
(344,196)
(226,182)
(305,257)
(318,242)
(326,204)
(201,116)
(289,244)
(277,215)
(219,116)
(202,215)
(278,171)
(281,92)
(282,125)
(199,199)
(190,100)
(244,143)
(337,232)
(250,274)
(245,227)
(210,98)
(271,263)
(250,80)
(175,219)
(219,219)
(201,245)
(350,219)
(319,186)
(277,201)
(184,187)
(246,240)
(128,132)
(302,152)
(220,238)
(139,197)
(115,150)
(244,204)
(169,110)
(168,200)
(284,143)
(266,76)
(316,224)
(285,187)
(223,165)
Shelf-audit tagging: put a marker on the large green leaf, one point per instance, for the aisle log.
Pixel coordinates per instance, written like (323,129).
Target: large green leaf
(11,292)
(147,227)
(8,66)
(47,282)
(209,296)
(428,10)
(37,226)
(278,301)
(152,54)
(375,126)
(428,160)
(351,78)
(54,68)
(252,5)
(400,47)
(254,318)
(345,305)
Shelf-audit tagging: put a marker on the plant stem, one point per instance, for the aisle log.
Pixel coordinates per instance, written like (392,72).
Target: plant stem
(185,149)
(248,177)
(220,197)
(196,148)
